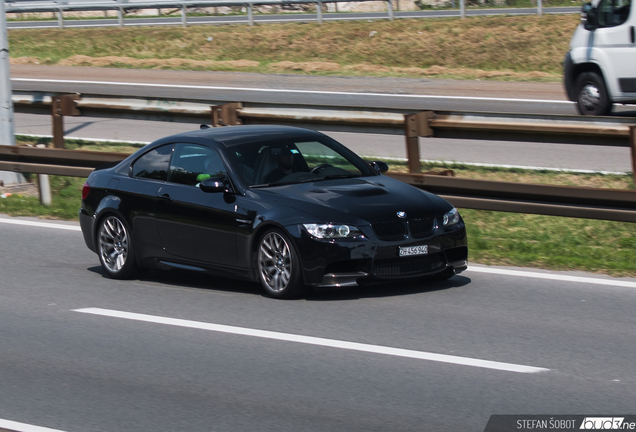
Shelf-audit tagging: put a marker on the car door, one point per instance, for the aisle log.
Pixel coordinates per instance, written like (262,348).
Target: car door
(138,192)
(195,225)
(616,38)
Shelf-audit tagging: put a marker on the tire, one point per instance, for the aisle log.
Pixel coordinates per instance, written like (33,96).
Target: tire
(115,248)
(591,95)
(278,266)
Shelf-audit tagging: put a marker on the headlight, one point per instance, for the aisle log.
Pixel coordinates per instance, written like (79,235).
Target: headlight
(329,231)
(451,218)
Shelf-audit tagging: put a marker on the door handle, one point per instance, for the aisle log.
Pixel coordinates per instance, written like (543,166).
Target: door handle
(166,197)
(631,34)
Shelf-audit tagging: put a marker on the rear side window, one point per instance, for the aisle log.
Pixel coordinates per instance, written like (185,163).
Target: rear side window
(154,164)
(191,164)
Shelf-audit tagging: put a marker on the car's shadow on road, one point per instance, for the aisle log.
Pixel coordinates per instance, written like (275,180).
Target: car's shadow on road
(193,280)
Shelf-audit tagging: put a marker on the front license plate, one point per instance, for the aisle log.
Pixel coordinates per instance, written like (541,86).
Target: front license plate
(413,250)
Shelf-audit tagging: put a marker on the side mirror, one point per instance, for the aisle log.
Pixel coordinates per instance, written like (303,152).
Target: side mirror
(379,166)
(214,185)
(589,17)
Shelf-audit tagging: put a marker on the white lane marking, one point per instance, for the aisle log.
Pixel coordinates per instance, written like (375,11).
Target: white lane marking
(271,90)
(24,427)
(555,277)
(331,343)
(39,224)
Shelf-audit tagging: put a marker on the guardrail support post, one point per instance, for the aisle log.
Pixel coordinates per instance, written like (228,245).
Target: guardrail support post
(120,16)
(60,18)
(632,145)
(415,126)
(184,20)
(462,8)
(61,106)
(250,14)
(226,115)
(389,6)
(45,189)
(319,12)
(539,8)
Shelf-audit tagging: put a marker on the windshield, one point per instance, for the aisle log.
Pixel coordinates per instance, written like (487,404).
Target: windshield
(271,163)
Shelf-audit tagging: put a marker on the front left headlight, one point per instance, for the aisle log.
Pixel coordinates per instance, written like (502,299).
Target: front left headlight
(330,231)
(451,218)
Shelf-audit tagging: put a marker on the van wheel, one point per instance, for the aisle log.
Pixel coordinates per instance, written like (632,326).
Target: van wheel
(591,95)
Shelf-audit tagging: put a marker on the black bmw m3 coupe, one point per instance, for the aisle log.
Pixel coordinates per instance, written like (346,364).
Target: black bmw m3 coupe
(287,207)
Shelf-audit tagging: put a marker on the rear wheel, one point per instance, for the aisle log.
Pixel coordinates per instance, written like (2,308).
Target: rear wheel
(591,95)
(115,248)
(278,266)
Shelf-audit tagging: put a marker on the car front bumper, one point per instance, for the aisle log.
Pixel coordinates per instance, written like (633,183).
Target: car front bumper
(349,262)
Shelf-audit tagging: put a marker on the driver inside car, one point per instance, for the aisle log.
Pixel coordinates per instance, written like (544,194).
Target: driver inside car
(285,166)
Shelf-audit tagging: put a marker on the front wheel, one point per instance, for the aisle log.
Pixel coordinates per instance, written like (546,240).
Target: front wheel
(115,248)
(591,95)
(278,265)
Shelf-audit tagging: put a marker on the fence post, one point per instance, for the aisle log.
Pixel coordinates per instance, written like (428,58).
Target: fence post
(225,115)
(389,6)
(319,12)
(539,8)
(61,106)
(184,20)
(250,14)
(45,189)
(462,8)
(415,126)
(632,145)
(60,18)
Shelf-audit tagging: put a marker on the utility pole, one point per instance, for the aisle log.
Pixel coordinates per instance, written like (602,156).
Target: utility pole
(7,136)
(7,132)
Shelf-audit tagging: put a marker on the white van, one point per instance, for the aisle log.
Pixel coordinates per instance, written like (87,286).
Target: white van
(600,68)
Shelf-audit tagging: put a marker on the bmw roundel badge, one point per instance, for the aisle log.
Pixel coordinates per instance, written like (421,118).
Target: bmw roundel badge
(401,214)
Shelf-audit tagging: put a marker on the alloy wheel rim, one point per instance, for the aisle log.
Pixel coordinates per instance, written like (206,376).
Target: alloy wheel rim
(113,244)
(274,261)
(590,96)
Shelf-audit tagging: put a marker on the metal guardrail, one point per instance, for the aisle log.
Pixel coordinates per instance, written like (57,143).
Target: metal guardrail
(122,6)
(571,129)
(569,201)
(614,131)
(607,204)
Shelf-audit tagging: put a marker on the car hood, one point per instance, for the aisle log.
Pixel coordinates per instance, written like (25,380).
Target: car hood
(358,200)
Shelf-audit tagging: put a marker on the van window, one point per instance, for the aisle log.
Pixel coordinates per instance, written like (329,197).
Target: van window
(612,13)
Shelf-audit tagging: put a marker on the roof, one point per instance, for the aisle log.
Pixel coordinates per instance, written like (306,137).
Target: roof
(233,135)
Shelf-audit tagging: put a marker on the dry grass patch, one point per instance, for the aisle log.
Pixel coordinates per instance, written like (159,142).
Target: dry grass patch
(503,47)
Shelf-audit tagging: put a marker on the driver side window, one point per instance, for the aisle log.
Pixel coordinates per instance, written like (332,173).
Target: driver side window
(612,13)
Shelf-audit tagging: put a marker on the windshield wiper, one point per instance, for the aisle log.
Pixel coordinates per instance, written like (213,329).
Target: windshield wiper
(308,180)
(339,176)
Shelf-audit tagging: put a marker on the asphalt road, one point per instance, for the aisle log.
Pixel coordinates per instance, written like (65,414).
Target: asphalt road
(290,17)
(64,368)
(396,93)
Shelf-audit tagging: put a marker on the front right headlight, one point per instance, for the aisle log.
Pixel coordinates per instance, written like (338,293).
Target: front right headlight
(330,231)
(452,217)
